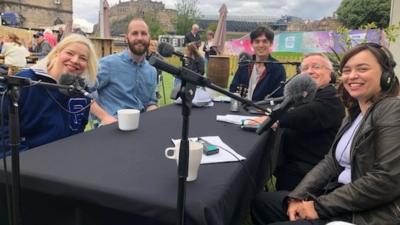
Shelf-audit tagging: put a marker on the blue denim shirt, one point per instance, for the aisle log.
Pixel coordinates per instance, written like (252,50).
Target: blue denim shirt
(122,83)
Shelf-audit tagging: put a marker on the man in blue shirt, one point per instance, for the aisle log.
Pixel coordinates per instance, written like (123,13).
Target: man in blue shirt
(126,80)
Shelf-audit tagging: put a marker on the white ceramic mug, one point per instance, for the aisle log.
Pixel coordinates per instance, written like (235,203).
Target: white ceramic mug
(195,154)
(128,119)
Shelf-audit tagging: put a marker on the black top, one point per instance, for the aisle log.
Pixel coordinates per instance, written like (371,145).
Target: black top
(196,64)
(189,37)
(310,131)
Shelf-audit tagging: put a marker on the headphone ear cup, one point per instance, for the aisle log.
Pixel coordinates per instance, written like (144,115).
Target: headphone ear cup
(333,78)
(386,80)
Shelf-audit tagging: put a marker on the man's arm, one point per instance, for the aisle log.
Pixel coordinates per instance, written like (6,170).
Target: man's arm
(100,113)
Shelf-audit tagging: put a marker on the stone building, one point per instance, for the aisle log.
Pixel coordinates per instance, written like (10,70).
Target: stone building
(39,13)
(139,8)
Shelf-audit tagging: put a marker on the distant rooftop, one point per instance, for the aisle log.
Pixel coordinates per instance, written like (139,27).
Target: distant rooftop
(258,19)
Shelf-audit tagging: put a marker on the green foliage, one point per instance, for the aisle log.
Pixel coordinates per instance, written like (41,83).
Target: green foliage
(187,14)
(154,24)
(354,13)
(212,26)
(392,32)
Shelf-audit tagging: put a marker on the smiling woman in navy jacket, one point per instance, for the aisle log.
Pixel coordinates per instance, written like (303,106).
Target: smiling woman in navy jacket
(45,113)
(256,80)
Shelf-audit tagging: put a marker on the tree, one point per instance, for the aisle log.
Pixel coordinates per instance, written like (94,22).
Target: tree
(187,15)
(355,13)
(154,24)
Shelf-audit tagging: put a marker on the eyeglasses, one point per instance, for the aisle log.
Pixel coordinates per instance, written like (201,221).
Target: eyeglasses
(312,66)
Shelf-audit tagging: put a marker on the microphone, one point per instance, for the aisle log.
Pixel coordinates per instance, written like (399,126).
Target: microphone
(301,89)
(77,86)
(167,50)
(271,101)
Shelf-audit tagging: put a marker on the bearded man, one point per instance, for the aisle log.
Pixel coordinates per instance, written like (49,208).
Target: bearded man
(126,80)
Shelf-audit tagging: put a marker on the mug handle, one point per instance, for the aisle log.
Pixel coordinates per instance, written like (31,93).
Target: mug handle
(169,149)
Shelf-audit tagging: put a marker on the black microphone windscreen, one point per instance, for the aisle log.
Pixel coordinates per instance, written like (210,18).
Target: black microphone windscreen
(165,49)
(161,65)
(301,89)
(75,82)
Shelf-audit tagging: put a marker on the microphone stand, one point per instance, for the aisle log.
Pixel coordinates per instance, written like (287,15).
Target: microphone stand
(190,80)
(14,85)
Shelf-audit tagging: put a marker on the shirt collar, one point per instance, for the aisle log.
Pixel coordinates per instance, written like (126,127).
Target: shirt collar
(127,55)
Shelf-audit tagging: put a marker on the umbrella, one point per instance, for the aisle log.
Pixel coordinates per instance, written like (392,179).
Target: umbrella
(219,37)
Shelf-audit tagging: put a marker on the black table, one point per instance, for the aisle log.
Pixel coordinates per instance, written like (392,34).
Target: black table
(108,176)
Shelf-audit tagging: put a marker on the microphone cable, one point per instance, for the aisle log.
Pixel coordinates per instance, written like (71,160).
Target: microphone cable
(252,181)
(65,109)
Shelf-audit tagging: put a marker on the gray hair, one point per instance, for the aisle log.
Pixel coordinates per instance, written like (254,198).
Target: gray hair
(327,60)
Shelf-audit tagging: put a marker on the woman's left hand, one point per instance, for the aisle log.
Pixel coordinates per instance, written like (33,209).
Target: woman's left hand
(307,211)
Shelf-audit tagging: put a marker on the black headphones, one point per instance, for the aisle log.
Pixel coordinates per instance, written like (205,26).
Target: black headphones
(388,76)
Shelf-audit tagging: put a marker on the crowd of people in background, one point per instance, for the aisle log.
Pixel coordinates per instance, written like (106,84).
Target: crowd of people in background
(339,152)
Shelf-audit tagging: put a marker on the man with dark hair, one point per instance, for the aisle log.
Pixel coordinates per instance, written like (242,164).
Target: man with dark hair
(257,80)
(126,80)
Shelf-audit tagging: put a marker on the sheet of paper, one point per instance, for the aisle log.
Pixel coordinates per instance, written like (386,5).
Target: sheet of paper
(235,119)
(226,153)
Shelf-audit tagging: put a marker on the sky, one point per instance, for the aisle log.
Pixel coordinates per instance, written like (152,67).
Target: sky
(86,11)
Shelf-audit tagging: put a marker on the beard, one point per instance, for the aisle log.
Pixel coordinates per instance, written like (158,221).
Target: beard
(136,49)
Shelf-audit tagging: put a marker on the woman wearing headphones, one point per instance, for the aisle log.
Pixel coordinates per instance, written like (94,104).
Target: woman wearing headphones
(359,179)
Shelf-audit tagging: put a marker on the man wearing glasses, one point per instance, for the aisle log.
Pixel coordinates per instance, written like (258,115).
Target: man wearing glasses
(310,127)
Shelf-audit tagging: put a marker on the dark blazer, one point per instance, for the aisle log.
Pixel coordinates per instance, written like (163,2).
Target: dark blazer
(270,80)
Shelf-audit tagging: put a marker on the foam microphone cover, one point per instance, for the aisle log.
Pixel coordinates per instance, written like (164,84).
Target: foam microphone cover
(165,49)
(301,89)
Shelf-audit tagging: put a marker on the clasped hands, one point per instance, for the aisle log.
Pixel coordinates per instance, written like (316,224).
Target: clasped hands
(301,210)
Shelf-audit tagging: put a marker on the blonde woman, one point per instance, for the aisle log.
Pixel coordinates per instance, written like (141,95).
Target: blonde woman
(46,114)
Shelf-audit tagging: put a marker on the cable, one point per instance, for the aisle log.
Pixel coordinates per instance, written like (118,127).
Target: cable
(3,143)
(63,108)
(243,165)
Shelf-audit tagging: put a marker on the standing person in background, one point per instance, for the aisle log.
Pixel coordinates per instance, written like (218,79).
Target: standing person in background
(193,36)
(258,80)
(193,60)
(126,80)
(358,180)
(60,34)
(46,114)
(208,47)
(14,53)
(40,47)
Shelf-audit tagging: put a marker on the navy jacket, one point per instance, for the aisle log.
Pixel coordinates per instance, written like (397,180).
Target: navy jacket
(270,80)
(45,113)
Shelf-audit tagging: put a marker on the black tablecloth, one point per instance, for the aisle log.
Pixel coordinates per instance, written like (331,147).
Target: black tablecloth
(127,172)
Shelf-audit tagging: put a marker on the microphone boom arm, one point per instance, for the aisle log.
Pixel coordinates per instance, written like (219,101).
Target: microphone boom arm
(190,76)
